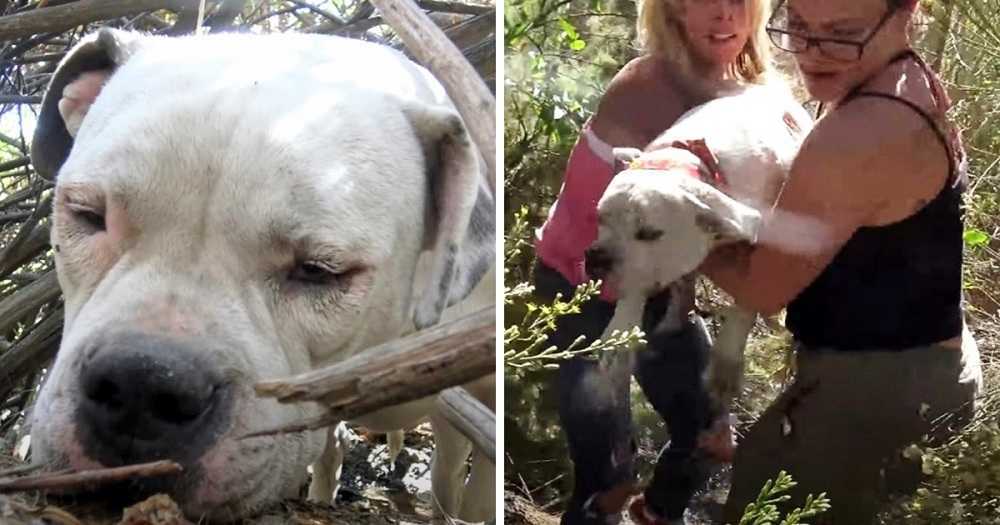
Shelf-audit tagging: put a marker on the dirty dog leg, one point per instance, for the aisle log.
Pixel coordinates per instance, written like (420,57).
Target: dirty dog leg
(479,497)
(326,470)
(725,370)
(448,471)
(395,441)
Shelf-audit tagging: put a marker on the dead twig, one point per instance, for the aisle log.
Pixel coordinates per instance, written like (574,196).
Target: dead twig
(396,372)
(432,48)
(84,479)
(61,18)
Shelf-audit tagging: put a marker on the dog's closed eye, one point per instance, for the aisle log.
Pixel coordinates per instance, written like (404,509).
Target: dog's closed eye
(88,216)
(318,273)
(648,234)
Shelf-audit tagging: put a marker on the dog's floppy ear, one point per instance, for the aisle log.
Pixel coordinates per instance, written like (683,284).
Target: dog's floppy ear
(725,219)
(459,231)
(74,86)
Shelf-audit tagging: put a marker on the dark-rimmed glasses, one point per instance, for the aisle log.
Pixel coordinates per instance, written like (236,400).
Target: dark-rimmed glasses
(834,48)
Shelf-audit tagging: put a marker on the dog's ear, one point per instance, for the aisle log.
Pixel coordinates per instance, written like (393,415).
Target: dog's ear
(459,232)
(73,88)
(725,219)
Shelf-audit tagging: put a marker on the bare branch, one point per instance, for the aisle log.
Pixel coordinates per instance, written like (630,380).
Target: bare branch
(17,305)
(454,7)
(90,478)
(61,18)
(433,49)
(19,99)
(14,164)
(406,369)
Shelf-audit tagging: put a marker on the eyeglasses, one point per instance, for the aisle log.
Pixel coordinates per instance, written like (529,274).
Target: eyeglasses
(834,48)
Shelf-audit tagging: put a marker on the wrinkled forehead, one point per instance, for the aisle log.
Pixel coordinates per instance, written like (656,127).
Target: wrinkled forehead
(283,158)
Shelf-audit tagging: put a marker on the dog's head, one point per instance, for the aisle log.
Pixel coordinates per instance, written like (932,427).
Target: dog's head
(231,209)
(654,227)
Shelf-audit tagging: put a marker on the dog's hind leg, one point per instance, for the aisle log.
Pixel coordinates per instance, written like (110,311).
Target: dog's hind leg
(326,470)
(448,470)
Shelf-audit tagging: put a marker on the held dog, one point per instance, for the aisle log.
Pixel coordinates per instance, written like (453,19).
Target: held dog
(702,183)
(236,208)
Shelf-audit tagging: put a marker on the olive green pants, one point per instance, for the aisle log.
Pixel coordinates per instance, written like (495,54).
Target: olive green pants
(841,426)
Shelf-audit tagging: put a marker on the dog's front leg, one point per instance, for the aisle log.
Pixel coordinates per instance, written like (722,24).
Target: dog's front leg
(448,471)
(618,363)
(479,498)
(326,470)
(725,370)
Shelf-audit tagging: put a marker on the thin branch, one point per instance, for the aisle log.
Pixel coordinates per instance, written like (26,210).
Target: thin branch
(432,48)
(399,371)
(322,12)
(90,478)
(19,99)
(61,18)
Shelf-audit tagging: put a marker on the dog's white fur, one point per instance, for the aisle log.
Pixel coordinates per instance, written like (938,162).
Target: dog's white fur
(228,152)
(755,147)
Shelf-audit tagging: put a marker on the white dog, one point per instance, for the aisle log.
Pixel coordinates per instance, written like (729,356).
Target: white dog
(702,183)
(236,208)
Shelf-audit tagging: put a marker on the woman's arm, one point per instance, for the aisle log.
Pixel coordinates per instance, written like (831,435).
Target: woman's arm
(871,162)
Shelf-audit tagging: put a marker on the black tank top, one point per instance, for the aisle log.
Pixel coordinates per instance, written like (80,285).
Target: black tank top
(896,286)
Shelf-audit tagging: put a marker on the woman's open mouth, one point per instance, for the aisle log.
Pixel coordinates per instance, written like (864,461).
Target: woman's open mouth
(721,38)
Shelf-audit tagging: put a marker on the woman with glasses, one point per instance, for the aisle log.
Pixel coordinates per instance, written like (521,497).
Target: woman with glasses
(693,49)
(873,295)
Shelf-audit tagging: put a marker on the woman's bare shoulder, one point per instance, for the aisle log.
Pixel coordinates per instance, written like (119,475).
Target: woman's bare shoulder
(642,100)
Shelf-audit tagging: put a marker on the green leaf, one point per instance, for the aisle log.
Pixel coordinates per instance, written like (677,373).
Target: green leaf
(577,45)
(974,238)
(569,29)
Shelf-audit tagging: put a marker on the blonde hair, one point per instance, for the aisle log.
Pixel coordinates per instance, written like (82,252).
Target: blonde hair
(661,32)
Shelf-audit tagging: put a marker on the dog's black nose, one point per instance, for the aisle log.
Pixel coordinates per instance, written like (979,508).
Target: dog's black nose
(597,262)
(147,398)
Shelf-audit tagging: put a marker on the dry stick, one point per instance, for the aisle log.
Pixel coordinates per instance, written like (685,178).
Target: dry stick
(18,304)
(35,242)
(24,234)
(454,7)
(61,18)
(90,478)
(43,57)
(14,164)
(392,373)
(19,99)
(471,418)
(28,354)
(20,470)
(432,48)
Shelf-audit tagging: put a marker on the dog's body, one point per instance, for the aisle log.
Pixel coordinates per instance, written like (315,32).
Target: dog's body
(237,208)
(659,220)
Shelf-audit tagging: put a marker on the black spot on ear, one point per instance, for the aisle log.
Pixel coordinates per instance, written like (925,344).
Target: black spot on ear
(482,224)
(447,277)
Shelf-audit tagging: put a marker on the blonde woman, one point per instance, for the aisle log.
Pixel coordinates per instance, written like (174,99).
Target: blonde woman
(693,50)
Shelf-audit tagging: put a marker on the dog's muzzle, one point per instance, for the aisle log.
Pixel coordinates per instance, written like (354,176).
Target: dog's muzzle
(147,397)
(598,262)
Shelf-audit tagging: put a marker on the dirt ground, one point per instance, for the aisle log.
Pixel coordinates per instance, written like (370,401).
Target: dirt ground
(373,492)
